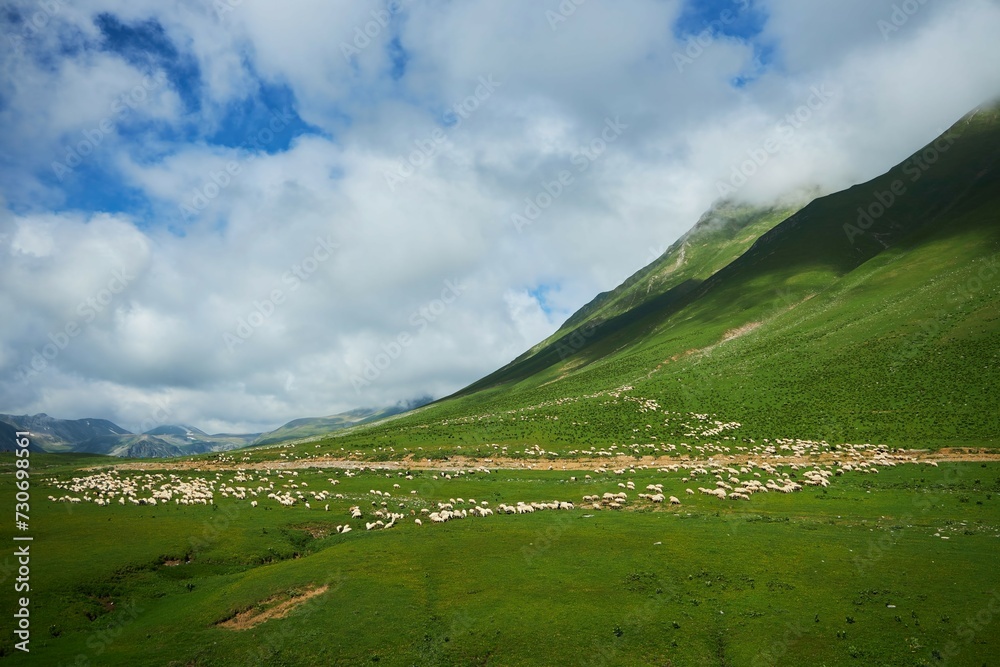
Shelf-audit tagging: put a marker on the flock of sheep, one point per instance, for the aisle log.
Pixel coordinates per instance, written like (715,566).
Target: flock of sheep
(285,488)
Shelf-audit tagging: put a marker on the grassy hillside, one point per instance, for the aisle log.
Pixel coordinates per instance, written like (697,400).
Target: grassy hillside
(820,329)
(721,236)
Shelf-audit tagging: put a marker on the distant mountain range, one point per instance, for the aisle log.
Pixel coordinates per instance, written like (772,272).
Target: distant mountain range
(305,428)
(100,436)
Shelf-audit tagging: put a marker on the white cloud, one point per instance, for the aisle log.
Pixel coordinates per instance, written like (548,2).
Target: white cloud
(311,261)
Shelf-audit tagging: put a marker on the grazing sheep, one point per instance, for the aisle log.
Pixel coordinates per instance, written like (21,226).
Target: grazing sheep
(674,500)
(418,522)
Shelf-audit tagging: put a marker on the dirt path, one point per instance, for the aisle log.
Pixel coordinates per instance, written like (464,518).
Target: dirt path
(255,615)
(456,463)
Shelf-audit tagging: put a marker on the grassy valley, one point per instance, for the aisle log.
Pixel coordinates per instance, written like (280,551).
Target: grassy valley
(775,445)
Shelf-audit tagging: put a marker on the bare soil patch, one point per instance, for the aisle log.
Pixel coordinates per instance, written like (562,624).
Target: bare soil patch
(455,463)
(276,606)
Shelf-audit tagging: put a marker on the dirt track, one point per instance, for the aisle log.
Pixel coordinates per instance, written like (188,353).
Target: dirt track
(456,463)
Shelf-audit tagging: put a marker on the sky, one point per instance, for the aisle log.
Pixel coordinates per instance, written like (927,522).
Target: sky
(234,213)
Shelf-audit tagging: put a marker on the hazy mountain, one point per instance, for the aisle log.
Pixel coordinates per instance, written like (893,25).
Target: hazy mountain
(53,434)
(308,427)
(100,436)
(8,439)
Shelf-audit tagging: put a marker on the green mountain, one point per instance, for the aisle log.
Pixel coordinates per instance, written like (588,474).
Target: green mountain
(868,315)
(100,436)
(130,446)
(309,427)
(52,434)
(8,439)
(719,237)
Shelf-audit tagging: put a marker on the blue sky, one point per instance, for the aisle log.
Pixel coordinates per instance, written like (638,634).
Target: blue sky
(95,186)
(734,19)
(274,191)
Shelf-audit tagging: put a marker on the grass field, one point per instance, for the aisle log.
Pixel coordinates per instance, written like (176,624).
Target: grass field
(893,568)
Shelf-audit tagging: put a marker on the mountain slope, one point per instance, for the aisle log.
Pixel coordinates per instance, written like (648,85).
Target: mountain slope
(131,446)
(869,314)
(189,440)
(53,434)
(8,439)
(719,237)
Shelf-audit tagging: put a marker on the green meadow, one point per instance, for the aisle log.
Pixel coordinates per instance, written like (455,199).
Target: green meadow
(893,568)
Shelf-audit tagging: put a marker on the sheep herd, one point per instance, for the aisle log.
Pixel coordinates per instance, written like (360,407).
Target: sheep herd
(272,488)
